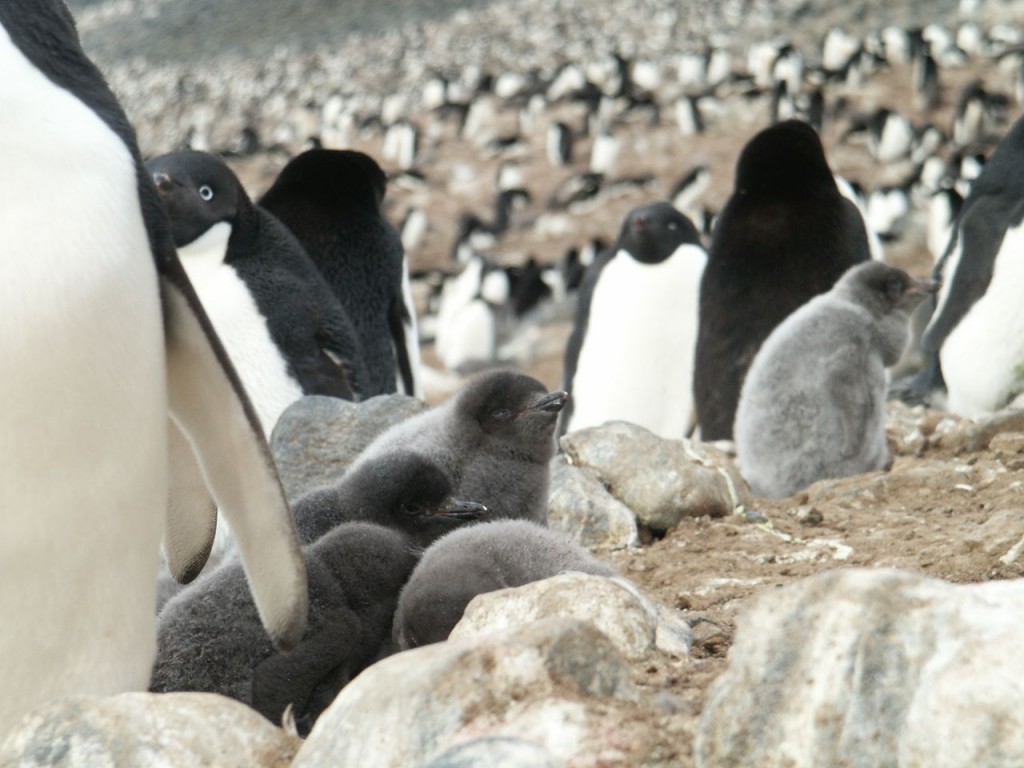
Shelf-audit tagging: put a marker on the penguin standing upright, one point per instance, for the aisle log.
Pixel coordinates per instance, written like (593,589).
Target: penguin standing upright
(283,328)
(974,343)
(331,200)
(630,355)
(785,235)
(103,337)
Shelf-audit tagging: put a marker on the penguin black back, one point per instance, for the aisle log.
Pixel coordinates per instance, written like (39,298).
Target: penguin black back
(785,235)
(331,200)
(403,490)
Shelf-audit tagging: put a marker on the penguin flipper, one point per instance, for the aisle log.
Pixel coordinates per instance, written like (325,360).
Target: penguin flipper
(402,326)
(191,520)
(208,404)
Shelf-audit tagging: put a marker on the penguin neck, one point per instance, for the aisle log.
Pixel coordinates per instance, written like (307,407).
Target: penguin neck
(208,250)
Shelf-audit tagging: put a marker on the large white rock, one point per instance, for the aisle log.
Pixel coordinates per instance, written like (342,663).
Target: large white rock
(553,683)
(872,668)
(168,730)
(634,623)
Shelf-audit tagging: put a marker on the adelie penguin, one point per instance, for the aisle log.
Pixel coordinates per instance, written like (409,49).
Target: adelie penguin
(785,235)
(974,344)
(103,337)
(403,490)
(630,355)
(209,638)
(813,402)
(478,559)
(331,200)
(495,439)
(283,328)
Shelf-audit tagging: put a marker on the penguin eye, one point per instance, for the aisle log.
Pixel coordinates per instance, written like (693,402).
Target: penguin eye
(673,226)
(413,509)
(206,192)
(896,287)
(502,414)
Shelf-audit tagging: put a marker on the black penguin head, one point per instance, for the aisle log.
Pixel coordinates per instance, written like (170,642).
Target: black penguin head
(331,179)
(652,233)
(884,290)
(514,412)
(784,161)
(198,191)
(416,496)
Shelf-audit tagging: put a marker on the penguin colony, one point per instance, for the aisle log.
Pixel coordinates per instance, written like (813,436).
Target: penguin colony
(308,290)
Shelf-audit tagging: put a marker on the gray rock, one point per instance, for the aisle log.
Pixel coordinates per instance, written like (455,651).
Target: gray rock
(495,753)
(613,605)
(147,729)
(872,668)
(661,480)
(317,437)
(554,683)
(580,505)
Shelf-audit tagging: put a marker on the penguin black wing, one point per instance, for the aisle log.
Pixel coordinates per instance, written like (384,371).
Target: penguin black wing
(579,332)
(206,399)
(323,348)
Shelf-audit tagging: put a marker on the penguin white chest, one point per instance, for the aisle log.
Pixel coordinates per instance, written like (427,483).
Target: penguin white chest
(242,328)
(636,361)
(983,357)
(83,403)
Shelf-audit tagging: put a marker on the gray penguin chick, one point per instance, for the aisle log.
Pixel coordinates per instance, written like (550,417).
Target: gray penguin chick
(495,438)
(477,559)
(401,490)
(813,404)
(210,639)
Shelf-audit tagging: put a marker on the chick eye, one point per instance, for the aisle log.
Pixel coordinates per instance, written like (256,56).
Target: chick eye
(206,192)
(673,226)
(412,509)
(502,414)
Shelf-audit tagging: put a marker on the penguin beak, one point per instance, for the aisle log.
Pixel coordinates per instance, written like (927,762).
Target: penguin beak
(164,183)
(924,286)
(454,509)
(551,402)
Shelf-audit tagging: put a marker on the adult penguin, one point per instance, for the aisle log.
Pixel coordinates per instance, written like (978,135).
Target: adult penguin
(284,329)
(974,344)
(630,355)
(331,199)
(785,235)
(103,337)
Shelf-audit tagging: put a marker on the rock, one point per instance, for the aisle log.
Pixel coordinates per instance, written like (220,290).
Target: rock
(170,729)
(981,433)
(555,683)
(661,480)
(317,437)
(1007,443)
(868,668)
(997,535)
(617,608)
(580,505)
(495,753)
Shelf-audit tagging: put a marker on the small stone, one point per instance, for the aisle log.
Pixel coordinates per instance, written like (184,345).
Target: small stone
(495,752)
(809,515)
